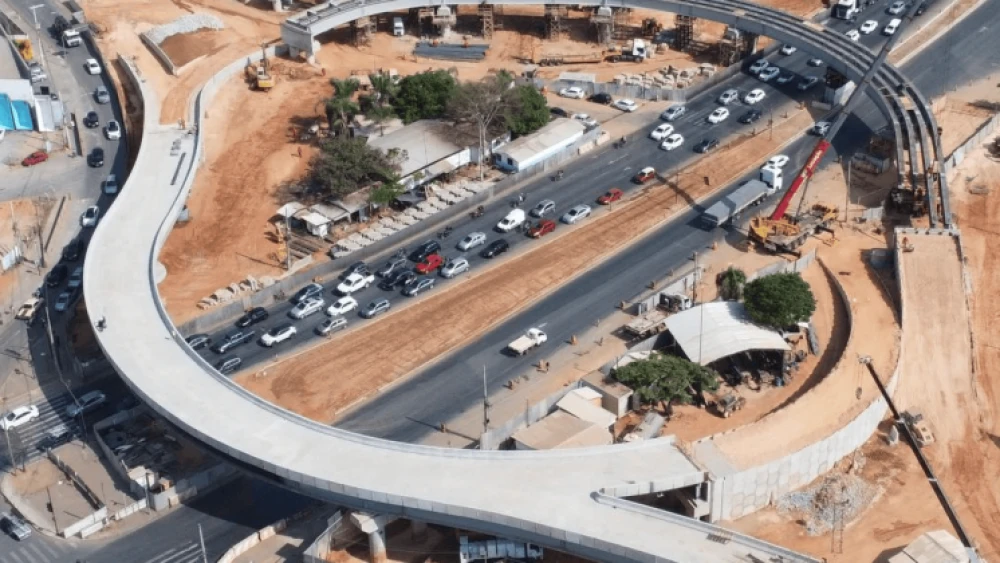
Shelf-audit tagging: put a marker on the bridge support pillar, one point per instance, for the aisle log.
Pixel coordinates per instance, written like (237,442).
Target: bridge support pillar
(277,5)
(374,526)
(418,530)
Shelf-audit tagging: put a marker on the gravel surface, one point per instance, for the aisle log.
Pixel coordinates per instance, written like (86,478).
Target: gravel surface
(837,496)
(184,24)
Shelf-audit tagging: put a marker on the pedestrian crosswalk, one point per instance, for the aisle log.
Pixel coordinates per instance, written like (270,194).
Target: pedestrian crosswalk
(24,440)
(35,551)
(188,553)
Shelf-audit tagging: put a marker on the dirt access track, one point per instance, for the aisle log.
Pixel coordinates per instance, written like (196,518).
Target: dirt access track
(320,381)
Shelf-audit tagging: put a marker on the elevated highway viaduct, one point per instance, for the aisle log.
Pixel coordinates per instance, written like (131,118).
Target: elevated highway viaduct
(553,498)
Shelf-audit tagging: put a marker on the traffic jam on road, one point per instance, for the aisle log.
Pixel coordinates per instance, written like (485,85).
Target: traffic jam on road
(368,290)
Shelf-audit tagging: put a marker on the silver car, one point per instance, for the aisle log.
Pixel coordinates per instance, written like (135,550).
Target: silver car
(575,214)
(101,95)
(374,308)
(543,208)
(454,267)
(14,526)
(471,241)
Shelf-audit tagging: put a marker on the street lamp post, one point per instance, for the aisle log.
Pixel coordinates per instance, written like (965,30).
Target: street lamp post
(34,14)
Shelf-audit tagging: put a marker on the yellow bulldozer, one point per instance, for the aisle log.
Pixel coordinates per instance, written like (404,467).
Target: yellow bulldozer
(789,233)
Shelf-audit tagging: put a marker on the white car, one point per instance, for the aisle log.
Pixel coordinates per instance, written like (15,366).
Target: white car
(585,119)
(661,132)
(278,334)
(673,112)
(815,61)
(471,241)
(769,73)
(341,306)
(575,214)
(869,26)
(853,34)
(785,78)
(512,221)
(672,142)
(111,185)
(355,282)
(573,92)
(454,267)
(85,403)
(113,130)
(307,307)
(777,161)
(897,8)
(729,96)
(19,416)
(820,128)
(753,96)
(758,65)
(626,105)
(892,26)
(718,116)
(90,216)
(788,49)
(92,66)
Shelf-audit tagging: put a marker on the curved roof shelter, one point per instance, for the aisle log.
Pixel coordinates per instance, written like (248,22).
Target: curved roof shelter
(712,331)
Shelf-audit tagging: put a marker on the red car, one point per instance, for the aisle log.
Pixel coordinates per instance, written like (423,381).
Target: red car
(645,175)
(544,227)
(613,195)
(431,263)
(34,158)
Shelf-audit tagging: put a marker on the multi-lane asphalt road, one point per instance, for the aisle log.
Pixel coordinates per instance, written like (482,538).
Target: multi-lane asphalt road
(409,411)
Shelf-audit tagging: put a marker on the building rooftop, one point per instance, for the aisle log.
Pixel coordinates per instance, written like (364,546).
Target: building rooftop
(715,330)
(578,405)
(562,430)
(424,142)
(549,136)
(933,547)
(608,384)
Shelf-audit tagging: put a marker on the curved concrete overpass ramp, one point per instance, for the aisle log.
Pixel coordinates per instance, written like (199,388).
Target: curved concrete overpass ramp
(551,498)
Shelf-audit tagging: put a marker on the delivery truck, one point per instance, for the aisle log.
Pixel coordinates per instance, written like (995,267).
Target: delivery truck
(749,194)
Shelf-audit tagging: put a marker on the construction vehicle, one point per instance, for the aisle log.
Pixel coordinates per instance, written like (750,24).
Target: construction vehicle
(783,232)
(633,51)
(919,429)
(555,59)
(260,74)
(750,193)
(655,321)
(725,404)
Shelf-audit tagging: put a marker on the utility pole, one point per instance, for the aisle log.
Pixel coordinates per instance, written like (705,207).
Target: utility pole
(10,450)
(701,307)
(486,404)
(288,249)
(847,198)
(201,538)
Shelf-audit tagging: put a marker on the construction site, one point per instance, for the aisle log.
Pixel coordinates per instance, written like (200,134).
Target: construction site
(872,320)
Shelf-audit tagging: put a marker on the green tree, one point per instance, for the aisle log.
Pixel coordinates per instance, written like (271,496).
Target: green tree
(345,165)
(779,300)
(383,88)
(380,114)
(341,108)
(731,282)
(386,191)
(528,111)
(666,378)
(424,95)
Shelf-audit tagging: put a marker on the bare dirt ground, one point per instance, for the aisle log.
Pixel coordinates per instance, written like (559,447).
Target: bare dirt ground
(320,381)
(848,389)
(958,120)
(906,508)
(186,47)
(966,458)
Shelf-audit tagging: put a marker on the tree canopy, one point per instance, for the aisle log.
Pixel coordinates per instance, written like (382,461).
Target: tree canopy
(341,108)
(731,282)
(666,378)
(424,95)
(528,111)
(779,300)
(343,165)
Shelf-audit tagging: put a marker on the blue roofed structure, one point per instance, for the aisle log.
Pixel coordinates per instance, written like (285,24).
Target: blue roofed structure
(6,114)
(21,111)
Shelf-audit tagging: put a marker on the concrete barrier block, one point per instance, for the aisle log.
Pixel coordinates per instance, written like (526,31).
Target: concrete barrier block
(266,533)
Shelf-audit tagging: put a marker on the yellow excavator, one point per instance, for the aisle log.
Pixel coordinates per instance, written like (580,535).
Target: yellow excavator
(260,74)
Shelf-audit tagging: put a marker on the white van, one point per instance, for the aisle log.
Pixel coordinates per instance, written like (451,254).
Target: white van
(71,38)
(397,27)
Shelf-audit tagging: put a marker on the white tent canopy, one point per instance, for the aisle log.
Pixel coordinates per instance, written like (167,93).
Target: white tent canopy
(715,330)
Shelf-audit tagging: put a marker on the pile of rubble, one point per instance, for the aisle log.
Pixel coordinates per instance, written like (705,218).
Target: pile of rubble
(667,77)
(189,23)
(839,497)
(235,291)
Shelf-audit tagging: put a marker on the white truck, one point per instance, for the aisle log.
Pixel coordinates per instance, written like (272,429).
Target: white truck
(355,282)
(71,38)
(397,27)
(531,339)
(750,193)
(847,9)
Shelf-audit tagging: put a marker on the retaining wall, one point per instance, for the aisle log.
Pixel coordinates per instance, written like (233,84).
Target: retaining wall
(249,542)
(168,64)
(323,545)
(740,493)
(87,525)
(979,138)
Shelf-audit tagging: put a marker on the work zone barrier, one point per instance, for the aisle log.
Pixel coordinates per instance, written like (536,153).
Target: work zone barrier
(978,139)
